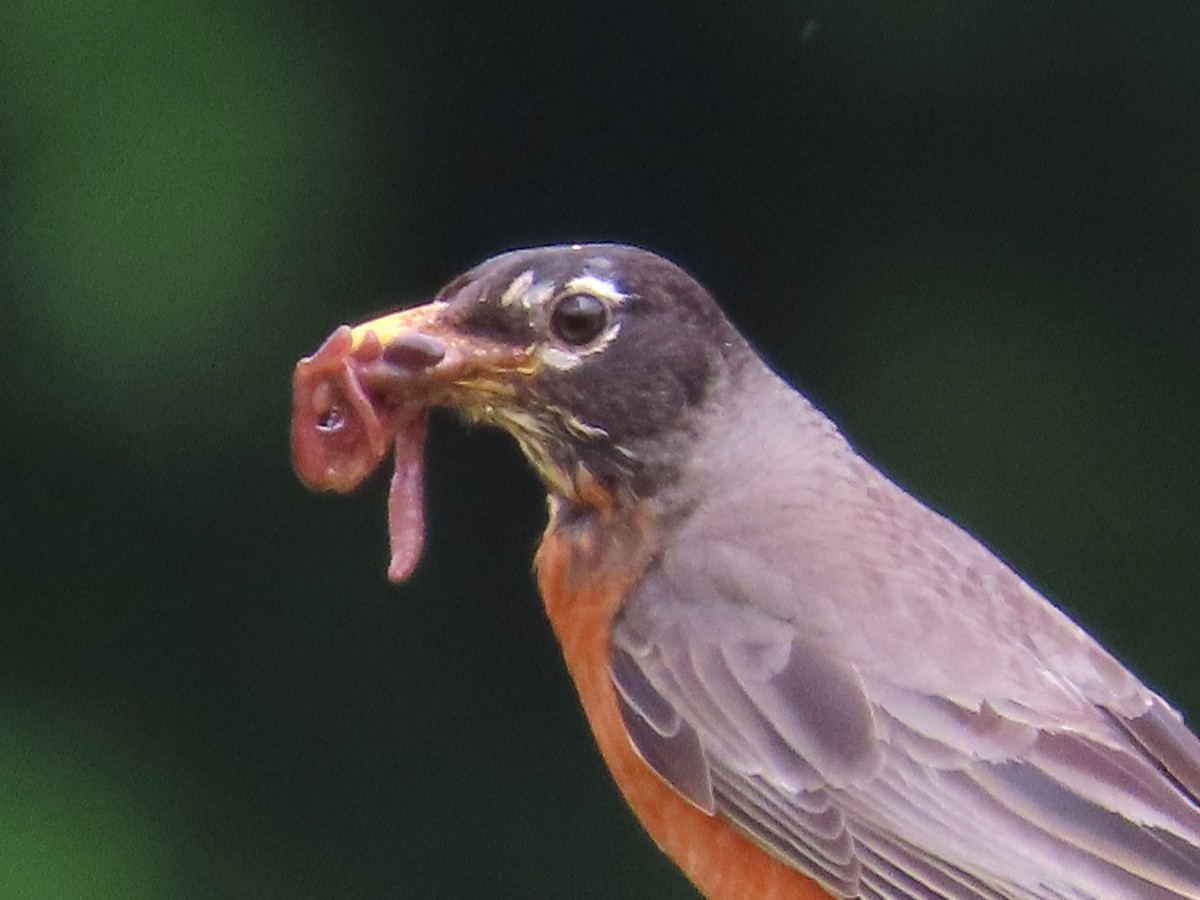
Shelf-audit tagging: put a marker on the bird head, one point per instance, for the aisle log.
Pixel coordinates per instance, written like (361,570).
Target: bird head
(599,359)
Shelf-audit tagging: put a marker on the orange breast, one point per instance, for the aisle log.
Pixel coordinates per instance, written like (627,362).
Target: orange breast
(581,587)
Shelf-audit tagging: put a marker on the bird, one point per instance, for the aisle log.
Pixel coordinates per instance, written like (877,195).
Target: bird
(805,682)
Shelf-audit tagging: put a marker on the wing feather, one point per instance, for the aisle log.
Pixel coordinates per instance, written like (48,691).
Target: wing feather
(808,828)
(668,743)
(1166,740)
(827,767)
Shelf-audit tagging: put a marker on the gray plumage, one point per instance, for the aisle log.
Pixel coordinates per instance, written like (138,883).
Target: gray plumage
(830,664)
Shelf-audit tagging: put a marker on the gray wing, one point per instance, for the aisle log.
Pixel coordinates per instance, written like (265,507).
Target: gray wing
(864,776)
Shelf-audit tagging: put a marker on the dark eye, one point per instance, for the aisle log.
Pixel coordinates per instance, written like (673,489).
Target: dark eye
(578,318)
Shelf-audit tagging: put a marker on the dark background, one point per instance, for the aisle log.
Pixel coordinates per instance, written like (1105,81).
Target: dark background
(968,229)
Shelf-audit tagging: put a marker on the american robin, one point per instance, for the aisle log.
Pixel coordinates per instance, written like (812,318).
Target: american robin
(805,682)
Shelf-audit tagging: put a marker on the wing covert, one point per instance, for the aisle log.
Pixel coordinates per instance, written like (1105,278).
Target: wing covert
(748,719)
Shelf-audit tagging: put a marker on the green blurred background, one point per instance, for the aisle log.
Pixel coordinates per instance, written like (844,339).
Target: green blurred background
(969,229)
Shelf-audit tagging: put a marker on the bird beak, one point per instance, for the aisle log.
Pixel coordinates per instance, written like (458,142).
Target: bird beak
(368,384)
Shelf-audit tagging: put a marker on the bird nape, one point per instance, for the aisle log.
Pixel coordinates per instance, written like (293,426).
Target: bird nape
(805,682)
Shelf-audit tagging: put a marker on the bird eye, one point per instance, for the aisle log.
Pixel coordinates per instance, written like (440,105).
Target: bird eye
(578,318)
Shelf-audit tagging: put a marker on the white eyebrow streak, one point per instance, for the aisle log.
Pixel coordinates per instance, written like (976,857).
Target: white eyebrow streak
(538,294)
(600,287)
(517,288)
